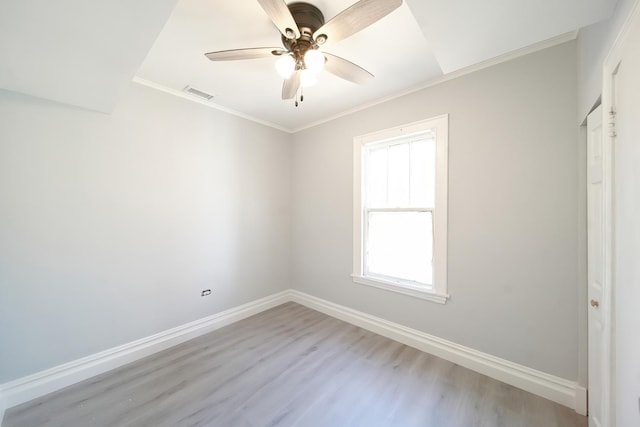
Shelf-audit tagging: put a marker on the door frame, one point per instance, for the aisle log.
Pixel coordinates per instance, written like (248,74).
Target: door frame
(610,68)
(601,255)
(607,305)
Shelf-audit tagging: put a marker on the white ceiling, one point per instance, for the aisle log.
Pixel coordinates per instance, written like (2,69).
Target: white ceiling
(465,33)
(387,49)
(85,52)
(79,52)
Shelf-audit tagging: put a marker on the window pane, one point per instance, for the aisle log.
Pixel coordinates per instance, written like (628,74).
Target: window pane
(399,167)
(400,244)
(376,177)
(423,173)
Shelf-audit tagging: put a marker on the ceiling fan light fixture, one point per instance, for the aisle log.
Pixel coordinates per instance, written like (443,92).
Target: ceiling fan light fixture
(308,78)
(285,66)
(303,31)
(314,60)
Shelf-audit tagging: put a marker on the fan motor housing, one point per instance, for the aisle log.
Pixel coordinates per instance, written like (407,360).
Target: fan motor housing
(308,18)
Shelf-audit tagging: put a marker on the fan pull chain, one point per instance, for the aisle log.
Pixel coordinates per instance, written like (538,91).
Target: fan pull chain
(299,99)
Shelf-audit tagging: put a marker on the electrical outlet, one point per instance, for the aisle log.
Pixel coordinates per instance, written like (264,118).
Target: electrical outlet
(205,292)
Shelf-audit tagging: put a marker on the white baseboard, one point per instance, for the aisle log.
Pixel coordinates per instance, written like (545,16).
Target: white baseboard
(557,389)
(581,405)
(32,386)
(551,387)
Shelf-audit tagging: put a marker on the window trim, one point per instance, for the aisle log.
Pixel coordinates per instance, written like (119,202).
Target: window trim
(438,292)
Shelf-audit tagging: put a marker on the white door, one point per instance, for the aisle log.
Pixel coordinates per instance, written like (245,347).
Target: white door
(621,96)
(598,301)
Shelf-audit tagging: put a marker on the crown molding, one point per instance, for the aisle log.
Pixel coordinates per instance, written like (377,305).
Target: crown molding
(180,94)
(558,40)
(563,38)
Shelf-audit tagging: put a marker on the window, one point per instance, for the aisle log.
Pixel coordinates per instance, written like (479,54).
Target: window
(400,209)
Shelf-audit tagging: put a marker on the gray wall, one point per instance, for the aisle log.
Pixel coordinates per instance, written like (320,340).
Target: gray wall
(513,211)
(110,225)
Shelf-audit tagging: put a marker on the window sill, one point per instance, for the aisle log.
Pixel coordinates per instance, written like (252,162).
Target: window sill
(401,289)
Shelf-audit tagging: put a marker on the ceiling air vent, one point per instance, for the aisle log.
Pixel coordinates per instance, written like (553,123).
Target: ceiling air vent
(198,93)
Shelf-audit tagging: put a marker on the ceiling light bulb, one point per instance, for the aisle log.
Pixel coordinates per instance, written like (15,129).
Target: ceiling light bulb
(285,66)
(308,78)
(314,60)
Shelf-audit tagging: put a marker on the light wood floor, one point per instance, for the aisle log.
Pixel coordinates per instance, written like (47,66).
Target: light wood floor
(291,366)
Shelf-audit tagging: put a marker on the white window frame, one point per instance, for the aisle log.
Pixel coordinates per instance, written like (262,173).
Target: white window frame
(438,291)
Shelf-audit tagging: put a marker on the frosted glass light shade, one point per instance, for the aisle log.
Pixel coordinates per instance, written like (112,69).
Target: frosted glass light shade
(314,60)
(285,66)
(308,78)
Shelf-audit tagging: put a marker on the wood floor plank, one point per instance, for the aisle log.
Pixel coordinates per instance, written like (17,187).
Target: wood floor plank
(291,366)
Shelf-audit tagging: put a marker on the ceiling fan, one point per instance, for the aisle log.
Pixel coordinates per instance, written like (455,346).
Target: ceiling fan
(304,31)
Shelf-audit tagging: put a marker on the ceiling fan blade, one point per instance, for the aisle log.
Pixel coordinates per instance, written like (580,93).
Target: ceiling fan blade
(291,85)
(355,18)
(346,69)
(251,53)
(279,13)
